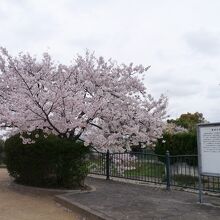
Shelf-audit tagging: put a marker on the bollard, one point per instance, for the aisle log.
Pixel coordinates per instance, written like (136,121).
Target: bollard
(107,164)
(168,169)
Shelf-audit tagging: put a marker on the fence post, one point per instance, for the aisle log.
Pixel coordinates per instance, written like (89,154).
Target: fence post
(168,169)
(107,164)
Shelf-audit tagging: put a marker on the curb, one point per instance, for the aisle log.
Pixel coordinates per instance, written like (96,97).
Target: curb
(85,212)
(48,190)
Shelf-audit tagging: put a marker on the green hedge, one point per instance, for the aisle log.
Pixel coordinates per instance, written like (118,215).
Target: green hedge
(1,151)
(49,162)
(178,144)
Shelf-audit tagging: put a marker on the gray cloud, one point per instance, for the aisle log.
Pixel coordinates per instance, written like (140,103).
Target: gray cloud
(213,92)
(180,43)
(204,42)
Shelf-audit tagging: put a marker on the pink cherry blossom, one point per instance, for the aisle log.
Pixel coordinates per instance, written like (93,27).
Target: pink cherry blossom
(98,101)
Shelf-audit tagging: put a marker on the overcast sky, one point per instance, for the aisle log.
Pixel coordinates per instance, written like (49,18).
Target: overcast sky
(179,39)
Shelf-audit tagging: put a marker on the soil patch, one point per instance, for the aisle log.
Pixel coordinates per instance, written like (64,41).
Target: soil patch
(20,204)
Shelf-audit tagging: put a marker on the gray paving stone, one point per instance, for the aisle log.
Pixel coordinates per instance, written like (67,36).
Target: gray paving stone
(125,201)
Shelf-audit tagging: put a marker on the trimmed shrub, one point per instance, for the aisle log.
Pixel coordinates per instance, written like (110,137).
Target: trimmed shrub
(1,151)
(49,162)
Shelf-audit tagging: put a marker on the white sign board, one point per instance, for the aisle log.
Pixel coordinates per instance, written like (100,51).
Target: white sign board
(208,137)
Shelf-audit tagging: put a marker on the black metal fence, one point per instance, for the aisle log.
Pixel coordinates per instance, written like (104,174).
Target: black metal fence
(178,170)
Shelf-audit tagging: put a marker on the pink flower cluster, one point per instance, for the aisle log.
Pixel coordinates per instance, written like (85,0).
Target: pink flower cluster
(99,101)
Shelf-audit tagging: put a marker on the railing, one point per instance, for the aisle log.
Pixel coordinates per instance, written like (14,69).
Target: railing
(178,170)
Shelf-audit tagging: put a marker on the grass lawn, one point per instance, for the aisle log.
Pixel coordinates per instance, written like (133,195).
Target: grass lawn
(147,169)
(209,183)
(97,166)
(153,169)
(185,180)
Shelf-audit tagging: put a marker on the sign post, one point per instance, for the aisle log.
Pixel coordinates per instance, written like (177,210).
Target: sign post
(208,141)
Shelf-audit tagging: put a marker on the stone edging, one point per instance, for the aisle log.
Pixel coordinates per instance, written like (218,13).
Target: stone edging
(85,212)
(48,190)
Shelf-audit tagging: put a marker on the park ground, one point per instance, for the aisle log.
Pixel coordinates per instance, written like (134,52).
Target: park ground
(22,205)
(111,199)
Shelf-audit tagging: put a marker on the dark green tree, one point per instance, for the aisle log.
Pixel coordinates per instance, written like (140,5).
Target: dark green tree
(188,120)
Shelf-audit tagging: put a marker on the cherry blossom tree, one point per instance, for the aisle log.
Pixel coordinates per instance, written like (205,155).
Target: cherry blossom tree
(172,128)
(100,102)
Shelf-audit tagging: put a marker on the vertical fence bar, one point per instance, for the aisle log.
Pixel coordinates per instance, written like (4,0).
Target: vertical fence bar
(200,188)
(107,164)
(168,169)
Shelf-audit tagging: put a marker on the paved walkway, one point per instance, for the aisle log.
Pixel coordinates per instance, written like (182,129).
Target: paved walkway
(137,202)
